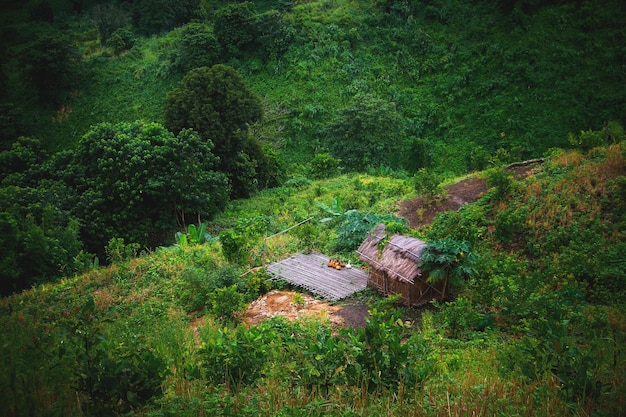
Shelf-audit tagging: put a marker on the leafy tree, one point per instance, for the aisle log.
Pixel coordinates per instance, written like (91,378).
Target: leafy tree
(324,166)
(273,35)
(108,18)
(186,10)
(121,40)
(52,66)
(218,104)
(155,16)
(11,124)
(502,181)
(448,260)
(427,185)
(418,155)
(195,47)
(39,238)
(41,12)
(18,164)
(137,179)
(235,26)
(367,134)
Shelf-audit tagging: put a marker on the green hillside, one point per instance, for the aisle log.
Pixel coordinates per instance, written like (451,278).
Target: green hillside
(461,79)
(537,329)
(334,87)
(153,152)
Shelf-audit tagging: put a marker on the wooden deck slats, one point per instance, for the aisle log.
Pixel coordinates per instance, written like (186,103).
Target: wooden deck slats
(312,273)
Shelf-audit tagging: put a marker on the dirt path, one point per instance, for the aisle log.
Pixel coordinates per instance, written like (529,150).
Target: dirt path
(418,213)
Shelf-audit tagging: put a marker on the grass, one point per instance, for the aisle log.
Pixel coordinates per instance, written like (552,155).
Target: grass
(144,303)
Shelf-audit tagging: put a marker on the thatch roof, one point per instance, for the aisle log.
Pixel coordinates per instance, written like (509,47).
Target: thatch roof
(399,258)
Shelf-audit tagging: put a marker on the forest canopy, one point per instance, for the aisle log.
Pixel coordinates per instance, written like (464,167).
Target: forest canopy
(96,100)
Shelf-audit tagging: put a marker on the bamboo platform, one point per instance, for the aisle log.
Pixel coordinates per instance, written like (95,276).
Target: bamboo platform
(312,273)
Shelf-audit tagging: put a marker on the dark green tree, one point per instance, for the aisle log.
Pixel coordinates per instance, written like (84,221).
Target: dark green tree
(367,134)
(108,18)
(185,11)
(273,35)
(218,104)
(154,16)
(235,26)
(195,47)
(39,238)
(121,40)
(137,180)
(18,165)
(52,66)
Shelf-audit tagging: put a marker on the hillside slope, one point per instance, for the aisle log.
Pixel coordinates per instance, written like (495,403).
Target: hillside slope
(540,326)
(458,81)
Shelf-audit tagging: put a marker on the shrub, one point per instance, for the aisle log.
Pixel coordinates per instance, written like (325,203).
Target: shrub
(234,246)
(114,376)
(227,304)
(121,40)
(299,182)
(587,139)
(427,185)
(119,251)
(234,358)
(235,26)
(195,47)
(502,181)
(324,166)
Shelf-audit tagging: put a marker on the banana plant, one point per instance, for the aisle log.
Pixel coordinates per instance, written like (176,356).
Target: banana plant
(335,210)
(196,235)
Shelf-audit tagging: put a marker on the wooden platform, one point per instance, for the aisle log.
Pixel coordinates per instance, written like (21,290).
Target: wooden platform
(312,273)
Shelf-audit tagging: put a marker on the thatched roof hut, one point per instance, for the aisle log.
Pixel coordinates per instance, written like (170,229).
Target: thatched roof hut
(395,268)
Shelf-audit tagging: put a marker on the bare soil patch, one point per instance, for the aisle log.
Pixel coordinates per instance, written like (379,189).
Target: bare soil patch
(285,303)
(418,213)
(294,305)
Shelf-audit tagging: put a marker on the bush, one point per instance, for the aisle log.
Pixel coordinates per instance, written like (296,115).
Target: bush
(235,26)
(299,182)
(121,40)
(234,246)
(502,181)
(118,251)
(115,376)
(234,358)
(324,166)
(227,304)
(195,47)
(427,185)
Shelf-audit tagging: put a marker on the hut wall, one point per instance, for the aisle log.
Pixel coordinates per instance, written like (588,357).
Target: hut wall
(412,294)
(402,287)
(377,280)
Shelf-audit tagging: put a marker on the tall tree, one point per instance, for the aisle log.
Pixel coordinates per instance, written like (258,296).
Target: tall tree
(137,180)
(367,134)
(52,66)
(217,103)
(108,18)
(196,46)
(235,26)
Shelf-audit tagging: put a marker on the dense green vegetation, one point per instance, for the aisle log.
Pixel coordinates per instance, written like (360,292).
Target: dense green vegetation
(149,147)
(315,89)
(537,329)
